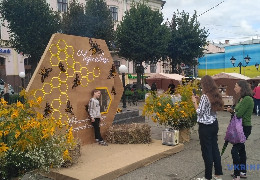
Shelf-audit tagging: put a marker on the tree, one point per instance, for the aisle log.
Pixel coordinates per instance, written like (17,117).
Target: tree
(187,40)
(141,37)
(95,22)
(74,20)
(31,24)
(99,21)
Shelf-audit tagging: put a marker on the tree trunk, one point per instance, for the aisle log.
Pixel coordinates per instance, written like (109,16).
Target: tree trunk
(139,80)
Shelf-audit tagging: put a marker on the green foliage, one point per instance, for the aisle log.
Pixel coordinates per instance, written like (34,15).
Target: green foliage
(141,36)
(31,24)
(100,22)
(74,20)
(129,93)
(187,39)
(94,20)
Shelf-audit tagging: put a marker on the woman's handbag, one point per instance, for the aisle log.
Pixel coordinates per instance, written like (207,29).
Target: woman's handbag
(235,133)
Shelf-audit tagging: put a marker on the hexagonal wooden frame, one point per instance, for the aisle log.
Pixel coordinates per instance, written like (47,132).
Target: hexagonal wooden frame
(75,55)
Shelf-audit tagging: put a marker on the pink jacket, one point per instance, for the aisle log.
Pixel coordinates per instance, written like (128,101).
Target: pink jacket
(257,92)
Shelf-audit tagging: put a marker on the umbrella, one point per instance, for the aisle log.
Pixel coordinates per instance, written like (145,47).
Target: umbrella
(224,147)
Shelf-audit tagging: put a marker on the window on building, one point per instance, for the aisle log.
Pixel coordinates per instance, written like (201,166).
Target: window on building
(62,5)
(2,61)
(114,13)
(153,68)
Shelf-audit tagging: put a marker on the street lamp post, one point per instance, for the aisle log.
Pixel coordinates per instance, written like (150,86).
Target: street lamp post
(22,75)
(233,60)
(256,66)
(123,70)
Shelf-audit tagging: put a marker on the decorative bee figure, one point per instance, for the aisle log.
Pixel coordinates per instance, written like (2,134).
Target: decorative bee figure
(76,81)
(95,48)
(61,66)
(47,110)
(112,72)
(69,108)
(113,91)
(45,73)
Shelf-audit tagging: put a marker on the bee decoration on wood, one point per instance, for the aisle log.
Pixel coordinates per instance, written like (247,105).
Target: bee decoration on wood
(61,66)
(47,110)
(76,81)
(113,91)
(95,48)
(112,72)
(69,108)
(45,73)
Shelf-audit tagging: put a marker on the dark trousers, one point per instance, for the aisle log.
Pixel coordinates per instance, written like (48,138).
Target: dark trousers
(257,103)
(238,152)
(208,135)
(97,129)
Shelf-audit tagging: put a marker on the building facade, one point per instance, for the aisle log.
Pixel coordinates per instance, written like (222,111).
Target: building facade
(12,62)
(219,61)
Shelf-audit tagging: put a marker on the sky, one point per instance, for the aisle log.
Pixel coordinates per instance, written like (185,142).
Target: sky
(233,20)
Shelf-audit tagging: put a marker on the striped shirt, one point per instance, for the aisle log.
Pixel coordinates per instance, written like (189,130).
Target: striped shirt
(205,115)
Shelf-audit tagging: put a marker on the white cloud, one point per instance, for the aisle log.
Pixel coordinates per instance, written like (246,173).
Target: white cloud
(236,20)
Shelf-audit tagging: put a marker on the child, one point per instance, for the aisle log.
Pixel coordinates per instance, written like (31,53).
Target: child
(95,115)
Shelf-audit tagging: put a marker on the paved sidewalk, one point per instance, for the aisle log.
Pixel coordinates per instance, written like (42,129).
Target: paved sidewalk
(188,164)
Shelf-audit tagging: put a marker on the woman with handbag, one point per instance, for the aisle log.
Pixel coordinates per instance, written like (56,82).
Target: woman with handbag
(243,109)
(210,102)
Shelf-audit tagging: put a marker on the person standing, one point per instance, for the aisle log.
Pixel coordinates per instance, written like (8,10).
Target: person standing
(243,109)
(95,115)
(257,99)
(209,103)
(171,87)
(6,92)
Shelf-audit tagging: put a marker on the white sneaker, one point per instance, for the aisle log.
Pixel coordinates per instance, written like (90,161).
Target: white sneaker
(236,178)
(201,178)
(216,177)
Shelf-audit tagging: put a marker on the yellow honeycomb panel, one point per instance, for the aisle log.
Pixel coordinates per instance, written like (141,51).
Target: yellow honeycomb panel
(76,56)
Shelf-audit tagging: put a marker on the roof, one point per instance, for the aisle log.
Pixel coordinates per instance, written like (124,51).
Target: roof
(230,76)
(166,76)
(256,78)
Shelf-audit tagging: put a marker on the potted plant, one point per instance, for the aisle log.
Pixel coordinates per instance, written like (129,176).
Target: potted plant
(176,111)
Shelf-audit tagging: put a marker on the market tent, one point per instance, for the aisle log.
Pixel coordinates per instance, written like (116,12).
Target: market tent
(163,80)
(230,76)
(254,81)
(229,80)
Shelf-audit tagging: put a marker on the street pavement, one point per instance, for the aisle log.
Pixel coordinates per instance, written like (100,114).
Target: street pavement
(188,164)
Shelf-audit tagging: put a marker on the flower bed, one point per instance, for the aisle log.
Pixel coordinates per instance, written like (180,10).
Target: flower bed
(29,141)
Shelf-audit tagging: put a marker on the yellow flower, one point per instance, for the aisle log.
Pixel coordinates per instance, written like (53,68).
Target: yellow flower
(17,134)
(165,110)
(3,101)
(39,116)
(45,133)
(168,105)
(15,114)
(1,134)
(3,147)
(19,104)
(52,131)
(22,93)
(158,114)
(31,103)
(70,136)
(159,104)
(66,155)
(59,123)
(39,100)
(6,132)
